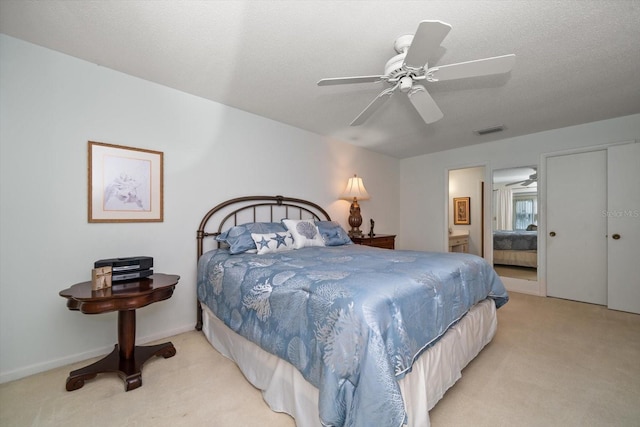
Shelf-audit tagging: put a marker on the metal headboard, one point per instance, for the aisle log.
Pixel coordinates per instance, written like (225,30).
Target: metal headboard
(252,209)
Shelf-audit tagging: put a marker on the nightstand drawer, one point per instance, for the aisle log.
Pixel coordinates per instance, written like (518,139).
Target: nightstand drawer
(458,241)
(385,241)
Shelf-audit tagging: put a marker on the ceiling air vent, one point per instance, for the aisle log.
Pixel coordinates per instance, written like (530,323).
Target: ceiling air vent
(486,131)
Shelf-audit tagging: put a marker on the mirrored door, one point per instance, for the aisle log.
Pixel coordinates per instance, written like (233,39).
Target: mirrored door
(515,222)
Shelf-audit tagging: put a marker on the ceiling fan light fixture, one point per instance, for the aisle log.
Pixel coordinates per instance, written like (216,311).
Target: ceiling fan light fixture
(411,65)
(489,130)
(405,84)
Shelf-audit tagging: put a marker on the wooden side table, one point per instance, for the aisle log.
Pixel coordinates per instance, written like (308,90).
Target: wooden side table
(126,359)
(385,241)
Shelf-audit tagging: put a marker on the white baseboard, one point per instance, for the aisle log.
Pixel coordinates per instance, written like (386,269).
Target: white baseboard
(26,371)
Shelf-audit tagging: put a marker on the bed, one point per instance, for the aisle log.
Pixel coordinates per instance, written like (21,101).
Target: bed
(335,333)
(518,248)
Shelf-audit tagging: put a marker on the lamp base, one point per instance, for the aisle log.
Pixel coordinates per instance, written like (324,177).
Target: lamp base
(355,233)
(355,219)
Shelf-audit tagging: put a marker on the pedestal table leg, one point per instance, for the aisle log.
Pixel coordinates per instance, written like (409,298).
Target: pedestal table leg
(126,359)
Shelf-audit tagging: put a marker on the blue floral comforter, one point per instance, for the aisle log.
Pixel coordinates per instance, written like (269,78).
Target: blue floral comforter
(352,319)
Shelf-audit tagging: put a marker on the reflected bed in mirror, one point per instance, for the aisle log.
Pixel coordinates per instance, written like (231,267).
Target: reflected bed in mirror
(515,222)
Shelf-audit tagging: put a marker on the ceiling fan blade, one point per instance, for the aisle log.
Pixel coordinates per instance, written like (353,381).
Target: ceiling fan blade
(424,103)
(425,43)
(514,183)
(479,67)
(373,106)
(349,80)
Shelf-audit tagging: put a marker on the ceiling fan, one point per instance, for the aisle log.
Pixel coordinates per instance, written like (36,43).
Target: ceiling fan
(405,70)
(527,182)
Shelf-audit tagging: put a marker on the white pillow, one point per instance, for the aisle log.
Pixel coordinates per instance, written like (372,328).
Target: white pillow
(304,231)
(273,242)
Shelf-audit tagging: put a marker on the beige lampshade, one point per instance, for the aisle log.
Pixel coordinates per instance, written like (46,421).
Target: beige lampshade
(355,189)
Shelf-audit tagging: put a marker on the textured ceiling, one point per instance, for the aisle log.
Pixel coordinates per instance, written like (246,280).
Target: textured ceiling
(577,61)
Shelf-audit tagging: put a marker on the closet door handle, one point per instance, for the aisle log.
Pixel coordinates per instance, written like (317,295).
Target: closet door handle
(615,236)
(552,234)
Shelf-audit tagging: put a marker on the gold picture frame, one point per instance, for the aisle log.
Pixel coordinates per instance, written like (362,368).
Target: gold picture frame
(462,210)
(125,184)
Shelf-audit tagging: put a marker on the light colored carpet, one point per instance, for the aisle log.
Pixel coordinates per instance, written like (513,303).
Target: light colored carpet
(552,363)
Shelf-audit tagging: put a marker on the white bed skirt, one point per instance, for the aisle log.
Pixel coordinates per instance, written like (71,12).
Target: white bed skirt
(518,258)
(285,390)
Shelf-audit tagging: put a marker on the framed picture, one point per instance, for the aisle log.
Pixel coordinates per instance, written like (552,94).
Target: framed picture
(462,210)
(125,184)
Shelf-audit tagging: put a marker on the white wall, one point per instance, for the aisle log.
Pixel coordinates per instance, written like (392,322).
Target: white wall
(423,223)
(50,106)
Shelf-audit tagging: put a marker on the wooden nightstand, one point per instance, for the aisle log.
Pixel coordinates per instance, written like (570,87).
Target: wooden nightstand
(385,241)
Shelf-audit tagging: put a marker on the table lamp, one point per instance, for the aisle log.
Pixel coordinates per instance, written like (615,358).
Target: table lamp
(355,191)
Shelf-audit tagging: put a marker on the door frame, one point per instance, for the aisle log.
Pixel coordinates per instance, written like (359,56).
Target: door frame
(486,251)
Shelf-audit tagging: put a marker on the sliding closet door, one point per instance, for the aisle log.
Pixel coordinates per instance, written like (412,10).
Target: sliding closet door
(576,240)
(623,216)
